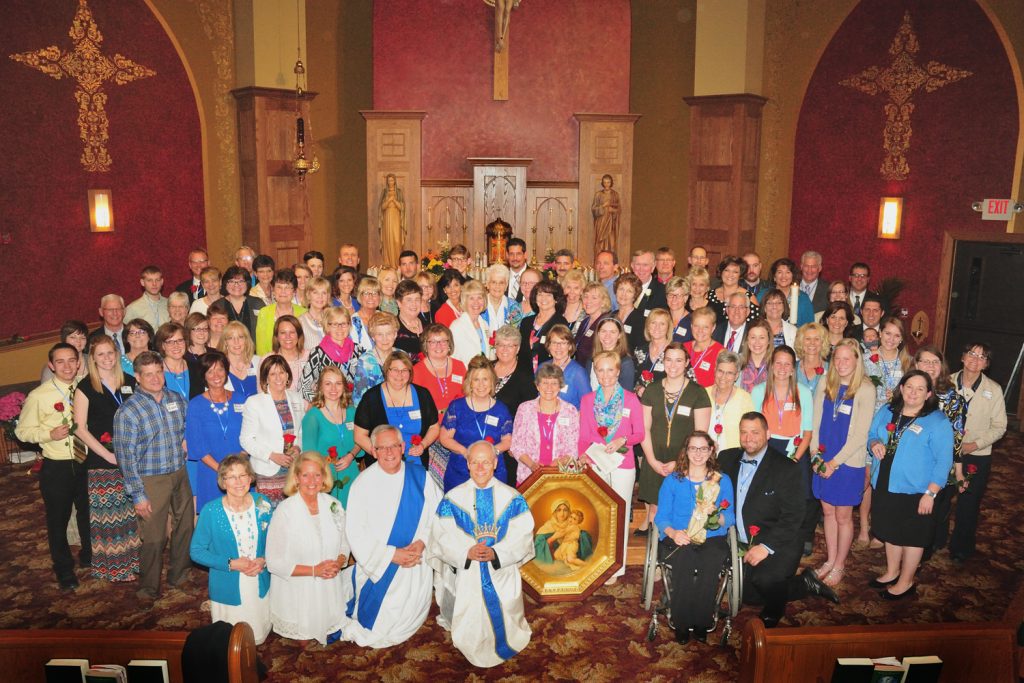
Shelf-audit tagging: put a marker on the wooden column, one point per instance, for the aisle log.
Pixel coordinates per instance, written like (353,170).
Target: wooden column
(606,146)
(275,203)
(725,149)
(393,146)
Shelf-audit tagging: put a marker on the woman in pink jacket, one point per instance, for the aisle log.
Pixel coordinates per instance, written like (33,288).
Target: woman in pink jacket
(546,430)
(613,419)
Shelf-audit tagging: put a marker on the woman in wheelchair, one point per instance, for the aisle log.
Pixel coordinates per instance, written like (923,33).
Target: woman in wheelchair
(694,515)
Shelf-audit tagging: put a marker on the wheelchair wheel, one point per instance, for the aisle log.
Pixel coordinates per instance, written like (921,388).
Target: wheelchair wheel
(736,580)
(726,632)
(650,567)
(652,629)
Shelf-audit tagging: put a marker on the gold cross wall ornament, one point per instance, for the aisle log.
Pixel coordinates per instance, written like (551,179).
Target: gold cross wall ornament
(900,80)
(90,69)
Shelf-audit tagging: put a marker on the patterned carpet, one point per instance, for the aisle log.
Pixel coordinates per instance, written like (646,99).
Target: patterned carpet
(602,639)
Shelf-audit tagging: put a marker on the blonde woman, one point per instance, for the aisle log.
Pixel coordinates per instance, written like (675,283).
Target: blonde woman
(812,347)
(729,402)
(368,296)
(700,287)
(677,293)
(388,278)
(328,429)
(596,306)
(573,284)
(334,349)
(318,297)
(470,330)
(649,357)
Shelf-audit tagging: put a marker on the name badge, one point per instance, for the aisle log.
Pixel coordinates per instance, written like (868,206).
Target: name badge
(350,425)
(457,379)
(627,328)
(647,312)
(705,365)
(239,407)
(659,366)
(251,373)
(564,390)
(788,406)
(681,331)
(846,409)
(491,420)
(987,394)
(588,333)
(915,428)
(625,412)
(544,339)
(414,414)
(563,422)
(172,407)
(683,410)
(127,390)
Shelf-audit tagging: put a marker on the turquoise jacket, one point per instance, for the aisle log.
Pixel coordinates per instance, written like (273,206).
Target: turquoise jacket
(924,455)
(213,546)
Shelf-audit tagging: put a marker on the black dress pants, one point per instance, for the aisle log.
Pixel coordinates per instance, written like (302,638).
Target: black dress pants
(968,506)
(64,483)
(695,571)
(772,583)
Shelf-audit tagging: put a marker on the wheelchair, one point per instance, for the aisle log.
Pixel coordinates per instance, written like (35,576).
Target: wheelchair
(728,595)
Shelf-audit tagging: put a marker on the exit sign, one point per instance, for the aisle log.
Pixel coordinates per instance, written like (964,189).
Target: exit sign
(997,209)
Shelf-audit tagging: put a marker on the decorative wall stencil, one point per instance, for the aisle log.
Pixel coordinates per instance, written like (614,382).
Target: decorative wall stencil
(900,80)
(90,69)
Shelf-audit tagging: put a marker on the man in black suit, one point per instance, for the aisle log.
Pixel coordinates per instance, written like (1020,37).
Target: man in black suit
(811,283)
(769,511)
(193,287)
(652,292)
(729,332)
(872,310)
(515,252)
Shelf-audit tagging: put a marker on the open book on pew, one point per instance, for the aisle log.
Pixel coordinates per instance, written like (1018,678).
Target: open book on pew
(887,670)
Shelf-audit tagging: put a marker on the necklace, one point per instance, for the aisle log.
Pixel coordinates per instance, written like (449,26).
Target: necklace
(442,380)
(780,407)
(840,397)
(671,406)
(391,401)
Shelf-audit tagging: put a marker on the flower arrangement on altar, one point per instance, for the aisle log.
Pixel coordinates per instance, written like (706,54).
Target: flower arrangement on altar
(10,409)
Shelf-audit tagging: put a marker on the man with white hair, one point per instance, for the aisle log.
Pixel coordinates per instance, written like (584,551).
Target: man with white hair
(810,284)
(112,313)
(481,535)
(390,505)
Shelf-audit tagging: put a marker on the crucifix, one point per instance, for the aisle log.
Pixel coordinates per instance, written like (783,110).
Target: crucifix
(502,15)
(90,69)
(900,80)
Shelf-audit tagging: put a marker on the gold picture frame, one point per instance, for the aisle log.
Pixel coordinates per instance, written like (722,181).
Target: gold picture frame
(577,534)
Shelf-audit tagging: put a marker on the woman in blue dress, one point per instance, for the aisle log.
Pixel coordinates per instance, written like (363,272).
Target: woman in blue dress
(212,427)
(477,416)
(843,407)
(366,370)
(329,429)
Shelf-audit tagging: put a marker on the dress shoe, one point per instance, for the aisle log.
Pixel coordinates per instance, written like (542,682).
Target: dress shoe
(682,636)
(700,635)
(68,584)
(816,587)
(180,581)
(85,562)
(875,583)
(770,622)
(905,594)
(641,532)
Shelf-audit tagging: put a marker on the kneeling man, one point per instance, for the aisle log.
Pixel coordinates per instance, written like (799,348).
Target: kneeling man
(481,535)
(390,506)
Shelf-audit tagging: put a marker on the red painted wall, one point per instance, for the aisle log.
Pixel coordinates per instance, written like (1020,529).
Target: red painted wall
(961,149)
(54,268)
(566,56)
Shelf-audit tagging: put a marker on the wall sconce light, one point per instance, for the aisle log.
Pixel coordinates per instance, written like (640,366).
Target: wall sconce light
(890,217)
(101,211)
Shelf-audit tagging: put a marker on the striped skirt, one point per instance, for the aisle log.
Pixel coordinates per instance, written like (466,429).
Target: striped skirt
(113,528)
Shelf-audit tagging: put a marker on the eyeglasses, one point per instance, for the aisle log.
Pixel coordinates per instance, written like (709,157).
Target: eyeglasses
(739,307)
(200,329)
(169,342)
(339,324)
(140,333)
(859,276)
(370,294)
(977,356)
(113,310)
(237,477)
(698,449)
(437,342)
(235,282)
(934,361)
(390,447)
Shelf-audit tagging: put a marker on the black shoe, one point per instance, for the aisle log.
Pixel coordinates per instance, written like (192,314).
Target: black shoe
(905,594)
(808,549)
(875,583)
(682,636)
(68,584)
(816,587)
(85,562)
(958,560)
(641,532)
(770,622)
(700,635)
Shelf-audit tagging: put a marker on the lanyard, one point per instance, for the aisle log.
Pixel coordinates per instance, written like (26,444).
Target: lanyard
(115,394)
(670,412)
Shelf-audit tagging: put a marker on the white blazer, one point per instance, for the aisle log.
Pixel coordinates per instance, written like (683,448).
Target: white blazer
(467,339)
(789,333)
(261,429)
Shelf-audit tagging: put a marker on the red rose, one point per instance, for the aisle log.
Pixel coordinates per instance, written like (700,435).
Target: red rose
(332,453)
(195,288)
(419,357)
(416,440)
(753,530)
(602,432)
(491,340)
(890,427)
(874,358)
(821,449)
(59,406)
(797,441)
(820,370)
(289,439)
(725,505)
(105,437)
(489,439)
(718,429)
(647,376)
(972,469)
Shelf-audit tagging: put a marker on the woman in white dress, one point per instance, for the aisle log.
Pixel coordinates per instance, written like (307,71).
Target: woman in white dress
(306,550)
(231,539)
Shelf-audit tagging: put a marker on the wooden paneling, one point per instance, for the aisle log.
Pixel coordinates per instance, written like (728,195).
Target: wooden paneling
(393,140)
(552,215)
(446,209)
(499,191)
(724,158)
(606,147)
(275,210)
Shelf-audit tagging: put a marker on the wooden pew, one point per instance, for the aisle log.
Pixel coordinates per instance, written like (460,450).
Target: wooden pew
(24,653)
(969,652)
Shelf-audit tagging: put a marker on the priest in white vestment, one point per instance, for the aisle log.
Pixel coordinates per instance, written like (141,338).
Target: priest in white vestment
(390,505)
(481,535)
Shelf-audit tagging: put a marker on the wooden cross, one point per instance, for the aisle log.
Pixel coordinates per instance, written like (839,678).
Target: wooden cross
(502,16)
(91,69)
(900,80)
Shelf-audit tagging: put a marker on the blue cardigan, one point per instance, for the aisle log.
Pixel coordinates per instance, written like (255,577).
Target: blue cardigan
(676,501)
(921,458)
(213,546)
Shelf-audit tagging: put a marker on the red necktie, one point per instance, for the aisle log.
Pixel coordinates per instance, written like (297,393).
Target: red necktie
(732,338)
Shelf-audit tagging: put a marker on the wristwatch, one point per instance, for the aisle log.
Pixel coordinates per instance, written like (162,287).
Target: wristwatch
(929,492)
